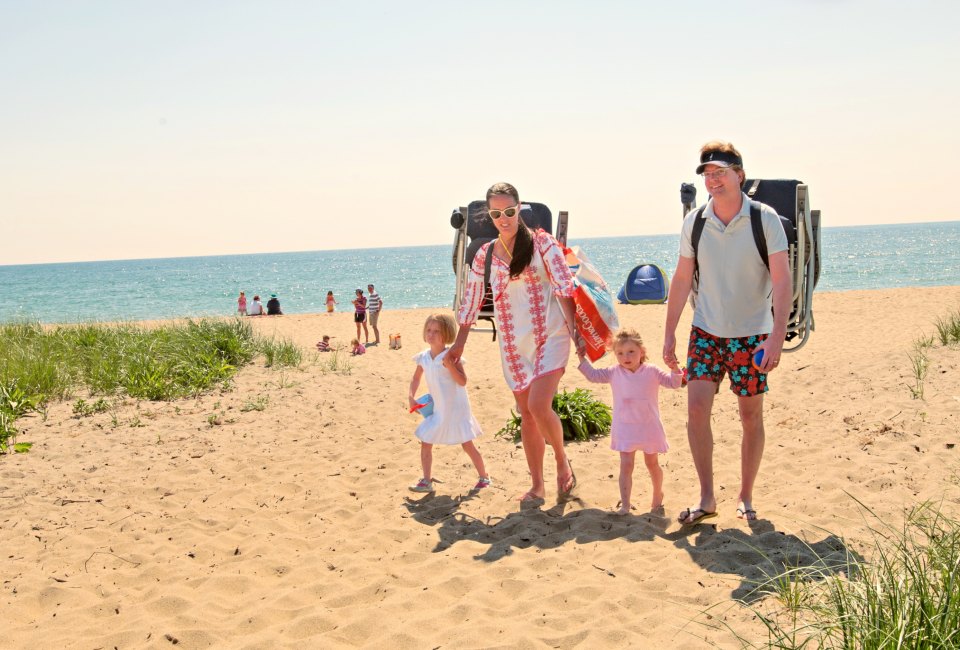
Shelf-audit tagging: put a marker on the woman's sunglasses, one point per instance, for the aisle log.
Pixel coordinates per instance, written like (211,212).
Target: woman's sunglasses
(509,213)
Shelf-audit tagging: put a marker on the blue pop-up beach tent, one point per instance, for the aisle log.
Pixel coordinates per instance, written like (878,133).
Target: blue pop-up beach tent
(646,285)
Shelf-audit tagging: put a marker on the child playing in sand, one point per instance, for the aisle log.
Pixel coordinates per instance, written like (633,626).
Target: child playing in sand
(330,302)
(356,347)
(324,345)
(636,413)
(452,422)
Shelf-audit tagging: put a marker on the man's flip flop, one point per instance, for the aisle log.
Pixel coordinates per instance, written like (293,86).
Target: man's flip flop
(698,514)
(748,515)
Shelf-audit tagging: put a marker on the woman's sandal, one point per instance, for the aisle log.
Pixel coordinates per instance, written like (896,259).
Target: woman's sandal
(564,492)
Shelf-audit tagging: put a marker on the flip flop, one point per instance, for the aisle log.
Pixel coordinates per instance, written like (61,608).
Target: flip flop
(745,514)
(564,493)
(698,514)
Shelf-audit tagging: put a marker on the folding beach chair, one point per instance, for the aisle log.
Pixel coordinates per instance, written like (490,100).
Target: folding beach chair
(474,229)
(791,200)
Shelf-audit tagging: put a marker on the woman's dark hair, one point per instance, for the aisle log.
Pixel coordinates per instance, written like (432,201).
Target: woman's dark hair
(523,244)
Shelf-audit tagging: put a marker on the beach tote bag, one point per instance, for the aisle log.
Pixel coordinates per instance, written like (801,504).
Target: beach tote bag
(596,316)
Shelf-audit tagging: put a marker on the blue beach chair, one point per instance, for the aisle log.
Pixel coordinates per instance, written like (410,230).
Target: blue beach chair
(473,229)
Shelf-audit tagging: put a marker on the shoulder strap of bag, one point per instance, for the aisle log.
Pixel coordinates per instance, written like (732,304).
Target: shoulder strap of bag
(487,266)
(698,224)
(756,224)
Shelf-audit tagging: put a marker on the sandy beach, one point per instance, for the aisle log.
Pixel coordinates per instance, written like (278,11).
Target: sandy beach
(275,514)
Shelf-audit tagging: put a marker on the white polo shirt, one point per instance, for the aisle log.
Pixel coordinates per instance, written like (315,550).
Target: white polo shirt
(734,299)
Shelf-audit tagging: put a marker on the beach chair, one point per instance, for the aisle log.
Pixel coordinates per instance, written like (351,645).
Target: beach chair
(473,229)
(791,200)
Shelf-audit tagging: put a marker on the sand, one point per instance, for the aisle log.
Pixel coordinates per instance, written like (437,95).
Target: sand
(209,523)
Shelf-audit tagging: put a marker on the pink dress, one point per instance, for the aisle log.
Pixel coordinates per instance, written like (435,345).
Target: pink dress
(636,412)
(534,340)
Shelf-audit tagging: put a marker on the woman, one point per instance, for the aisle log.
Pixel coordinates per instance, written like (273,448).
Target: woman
(528,269)
(360,315)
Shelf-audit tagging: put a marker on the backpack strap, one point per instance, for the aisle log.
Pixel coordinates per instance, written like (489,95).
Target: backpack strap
(698,224)
(487,266)
(756,224)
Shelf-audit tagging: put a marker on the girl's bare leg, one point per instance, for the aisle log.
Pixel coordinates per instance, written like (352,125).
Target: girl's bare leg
(474,455)
(656,476)
(426,460)
(626,480)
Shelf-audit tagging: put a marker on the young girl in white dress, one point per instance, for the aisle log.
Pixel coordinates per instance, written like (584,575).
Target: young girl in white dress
(452,422)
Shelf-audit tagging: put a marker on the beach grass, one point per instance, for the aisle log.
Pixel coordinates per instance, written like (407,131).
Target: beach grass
(160,363)
(907,595)
(948,328)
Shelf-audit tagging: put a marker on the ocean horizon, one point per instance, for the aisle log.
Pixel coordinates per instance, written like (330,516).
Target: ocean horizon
(853,257)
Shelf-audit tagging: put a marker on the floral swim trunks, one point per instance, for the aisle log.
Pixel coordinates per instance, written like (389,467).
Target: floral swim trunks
(709,357)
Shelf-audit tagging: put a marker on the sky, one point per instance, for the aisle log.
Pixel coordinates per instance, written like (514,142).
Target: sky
(138,129)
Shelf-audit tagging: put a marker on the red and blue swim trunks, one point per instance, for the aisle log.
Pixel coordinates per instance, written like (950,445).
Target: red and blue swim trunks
(709,357)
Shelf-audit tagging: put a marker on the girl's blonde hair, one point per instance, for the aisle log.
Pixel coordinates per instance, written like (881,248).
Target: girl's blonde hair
(630,336)
(354,342)
(448,326)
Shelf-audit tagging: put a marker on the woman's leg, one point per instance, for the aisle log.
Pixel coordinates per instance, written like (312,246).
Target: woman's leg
(656,476)
(539,405)
(358,330)
(626,480)
(366,332)
(533,447)
(475,456)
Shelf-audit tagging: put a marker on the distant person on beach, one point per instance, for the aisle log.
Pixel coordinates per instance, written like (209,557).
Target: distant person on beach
(360,314)
(331,303)
(242,304)
(527,269)
(323,345)
(374,305)
(256,308)
(731,320)
(356,348)
(273,306)
(452,421)
(636,411)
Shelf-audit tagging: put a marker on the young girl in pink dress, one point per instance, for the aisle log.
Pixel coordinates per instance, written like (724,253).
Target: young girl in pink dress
(331,302)
(452,422)
(636,413)
(242,304)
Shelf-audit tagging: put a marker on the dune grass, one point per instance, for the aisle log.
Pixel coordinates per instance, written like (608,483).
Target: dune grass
(948,328)
(39,365)
(907,595)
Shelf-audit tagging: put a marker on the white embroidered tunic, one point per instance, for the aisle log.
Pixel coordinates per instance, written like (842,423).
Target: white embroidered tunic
(534,340)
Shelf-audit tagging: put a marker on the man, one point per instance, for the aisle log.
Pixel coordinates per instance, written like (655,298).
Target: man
(374,305)
(731,320)
(273,306)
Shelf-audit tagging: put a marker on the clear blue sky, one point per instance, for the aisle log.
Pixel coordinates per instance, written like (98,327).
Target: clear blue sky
(155,129)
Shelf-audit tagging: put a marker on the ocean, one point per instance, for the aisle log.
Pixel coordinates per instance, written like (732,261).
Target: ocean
(861,257)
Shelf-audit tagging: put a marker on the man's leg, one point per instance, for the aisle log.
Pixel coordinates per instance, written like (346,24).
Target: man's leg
(751,450)
(700,396)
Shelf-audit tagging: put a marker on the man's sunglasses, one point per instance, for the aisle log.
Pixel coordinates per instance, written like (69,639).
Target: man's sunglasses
(509,213)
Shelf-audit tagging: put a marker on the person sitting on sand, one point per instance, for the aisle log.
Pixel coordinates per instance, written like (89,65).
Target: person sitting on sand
(732,319)
(256,308)
(273,306)
(324,345)
(356,347)
(636,413)
(452,422)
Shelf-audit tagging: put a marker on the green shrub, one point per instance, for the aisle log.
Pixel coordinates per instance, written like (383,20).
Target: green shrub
(282,353)
(581,415)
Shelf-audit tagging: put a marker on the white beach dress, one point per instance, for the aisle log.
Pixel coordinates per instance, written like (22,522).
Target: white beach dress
(534,340)
(452,421)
